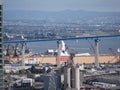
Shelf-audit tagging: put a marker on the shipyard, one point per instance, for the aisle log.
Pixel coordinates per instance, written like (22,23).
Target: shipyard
(63,70)
(59,45)
(61,63)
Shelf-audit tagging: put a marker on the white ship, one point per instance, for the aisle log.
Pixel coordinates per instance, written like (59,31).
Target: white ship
(64,51)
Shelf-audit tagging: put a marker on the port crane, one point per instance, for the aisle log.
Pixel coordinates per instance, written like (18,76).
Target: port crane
(8,47)
(115,55)
(95,38)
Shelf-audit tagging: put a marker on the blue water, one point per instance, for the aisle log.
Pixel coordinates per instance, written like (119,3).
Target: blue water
(81,46)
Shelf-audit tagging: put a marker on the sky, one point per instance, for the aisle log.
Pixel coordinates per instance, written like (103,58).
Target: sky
(61,5)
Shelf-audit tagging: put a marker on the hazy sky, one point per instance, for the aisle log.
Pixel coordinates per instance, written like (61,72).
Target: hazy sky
(59,5)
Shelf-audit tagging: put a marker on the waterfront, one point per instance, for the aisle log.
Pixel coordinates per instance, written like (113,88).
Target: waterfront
(82,46)
(90,77)
(78,59)
(79,64)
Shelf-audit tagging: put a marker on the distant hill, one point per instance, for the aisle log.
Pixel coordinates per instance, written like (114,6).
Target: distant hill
(66,16)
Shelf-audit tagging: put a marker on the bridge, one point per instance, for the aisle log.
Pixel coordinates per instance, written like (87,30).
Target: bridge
(70,38)
(95,38)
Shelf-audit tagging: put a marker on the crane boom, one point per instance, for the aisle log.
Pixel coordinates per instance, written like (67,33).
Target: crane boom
(115,54)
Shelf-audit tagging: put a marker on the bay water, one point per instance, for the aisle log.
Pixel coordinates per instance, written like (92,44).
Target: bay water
(81,46)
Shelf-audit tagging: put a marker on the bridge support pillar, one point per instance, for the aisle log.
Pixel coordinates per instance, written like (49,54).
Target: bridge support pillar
(58,54)
(96,53)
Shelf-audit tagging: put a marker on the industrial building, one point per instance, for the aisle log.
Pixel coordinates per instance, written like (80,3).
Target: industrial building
(52,81)
(1,60)
(71,78)
(71,75)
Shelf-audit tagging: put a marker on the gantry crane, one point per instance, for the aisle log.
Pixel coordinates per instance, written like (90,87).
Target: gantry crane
(115,55)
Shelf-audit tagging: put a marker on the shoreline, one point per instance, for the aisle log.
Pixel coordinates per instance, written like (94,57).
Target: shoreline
(87,59)
(77,59)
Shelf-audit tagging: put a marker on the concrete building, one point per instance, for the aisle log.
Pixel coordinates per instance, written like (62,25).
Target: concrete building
(67,77)
(71,75)
(1,60)
(71,78)
(52,81)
